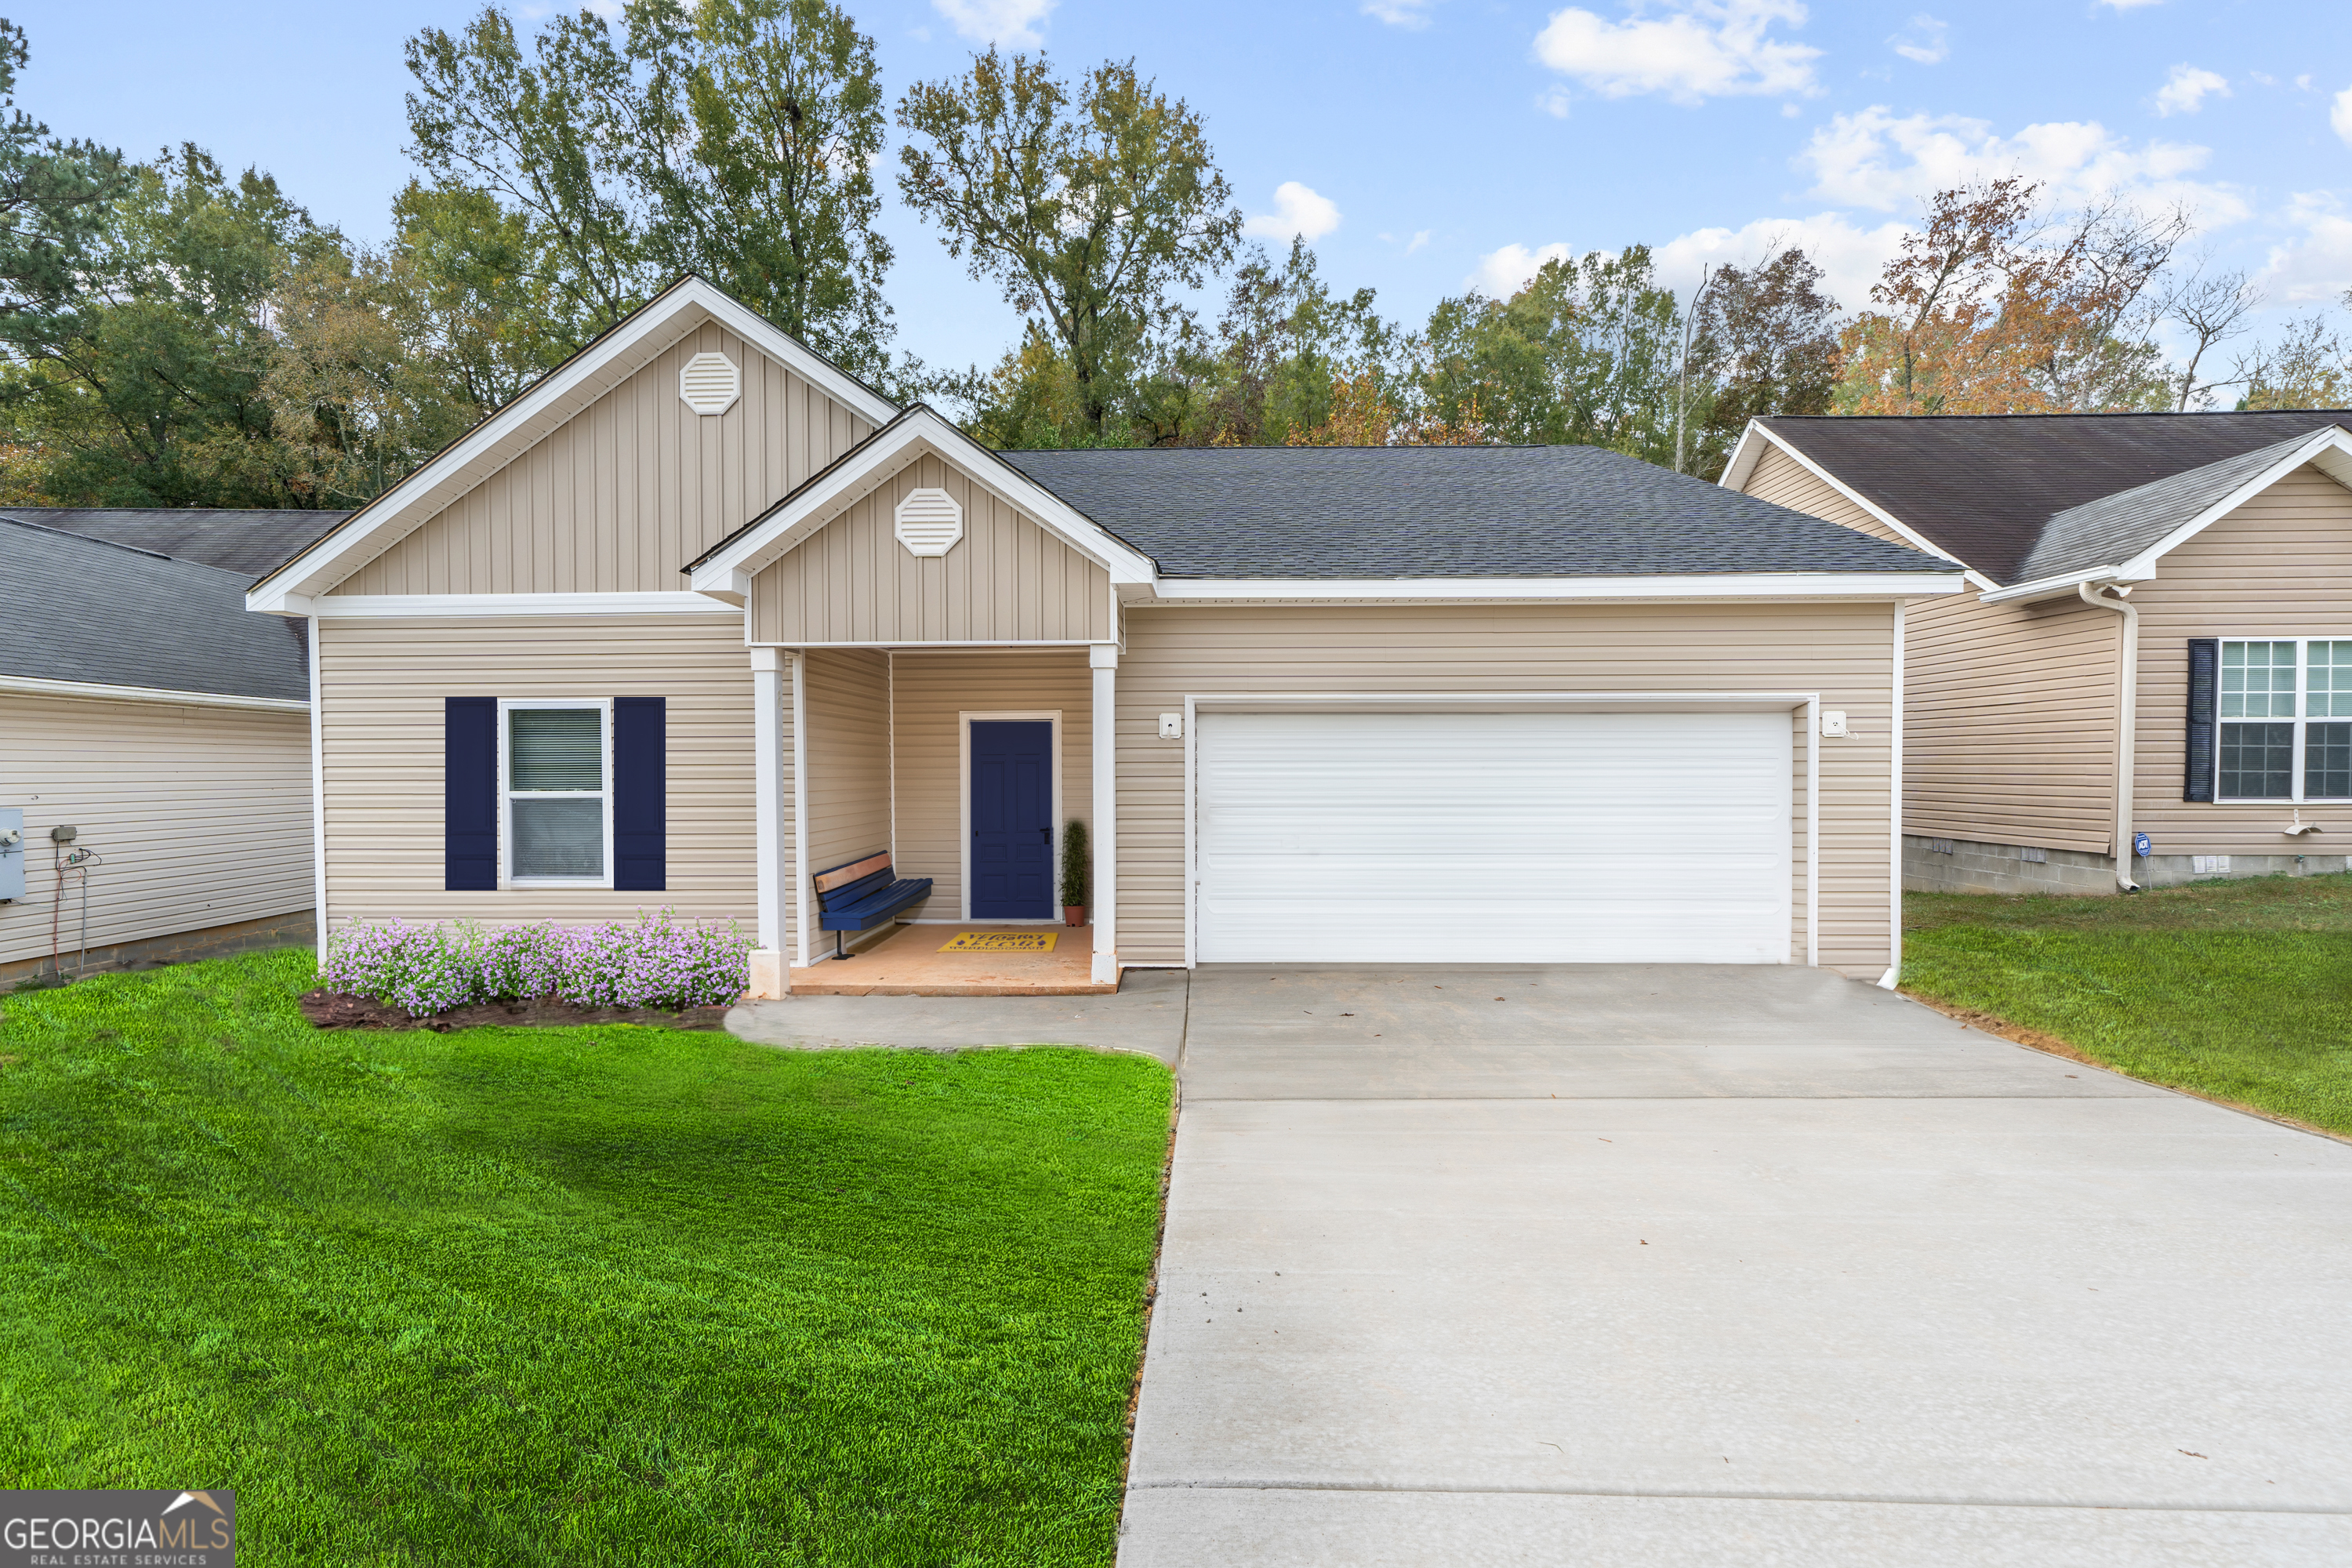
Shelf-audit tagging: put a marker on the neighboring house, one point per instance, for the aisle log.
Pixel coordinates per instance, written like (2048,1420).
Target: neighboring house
(142,707)
(2158,640)
(698,617)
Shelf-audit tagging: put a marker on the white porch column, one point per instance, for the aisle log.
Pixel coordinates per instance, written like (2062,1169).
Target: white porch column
(770,970)
(1102,659)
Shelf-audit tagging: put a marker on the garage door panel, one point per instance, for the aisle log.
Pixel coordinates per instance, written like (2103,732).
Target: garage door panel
(1513,837)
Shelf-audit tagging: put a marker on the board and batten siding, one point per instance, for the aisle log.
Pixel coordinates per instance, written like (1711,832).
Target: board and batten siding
(844,697)
(384,683)
(928,691)
(1007,580)
(2010,716)
(621,495)
(201,816)
(1843,651)
(2278,566)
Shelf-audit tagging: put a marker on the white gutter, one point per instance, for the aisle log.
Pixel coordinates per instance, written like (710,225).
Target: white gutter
(2126,738)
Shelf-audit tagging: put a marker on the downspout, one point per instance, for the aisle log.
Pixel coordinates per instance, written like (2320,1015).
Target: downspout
(2128,730)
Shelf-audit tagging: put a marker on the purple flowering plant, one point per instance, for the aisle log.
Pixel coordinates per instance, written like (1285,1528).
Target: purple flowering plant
(655,961)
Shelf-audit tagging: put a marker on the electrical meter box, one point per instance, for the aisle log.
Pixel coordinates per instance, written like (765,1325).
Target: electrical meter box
(12,853)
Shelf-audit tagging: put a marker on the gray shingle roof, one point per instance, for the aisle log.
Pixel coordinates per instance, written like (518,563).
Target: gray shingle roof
(1987,486)
(1441,511)
(2112,530)
(83,609)
(253,542)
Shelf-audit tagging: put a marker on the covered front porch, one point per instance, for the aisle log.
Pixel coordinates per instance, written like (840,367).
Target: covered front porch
(965,765)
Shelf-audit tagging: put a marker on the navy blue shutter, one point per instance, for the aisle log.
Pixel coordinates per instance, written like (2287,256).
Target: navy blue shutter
(2204,654)
(470,801)
(640,794)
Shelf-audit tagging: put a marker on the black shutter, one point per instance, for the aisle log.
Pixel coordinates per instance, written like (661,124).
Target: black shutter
(470,801)
(640,791)
(2204,656)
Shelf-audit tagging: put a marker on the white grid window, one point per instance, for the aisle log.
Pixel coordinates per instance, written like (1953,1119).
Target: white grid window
(555,793)
(2285,720)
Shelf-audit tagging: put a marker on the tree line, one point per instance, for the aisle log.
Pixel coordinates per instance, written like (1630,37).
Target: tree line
(172,334)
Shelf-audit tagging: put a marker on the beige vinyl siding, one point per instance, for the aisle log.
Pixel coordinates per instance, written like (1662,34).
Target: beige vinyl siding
(928,691)
(201,816)
(385,681)
(2009,710)
(2279,566)
(628,490)
(844,697)
(1008,580)
(1842,651)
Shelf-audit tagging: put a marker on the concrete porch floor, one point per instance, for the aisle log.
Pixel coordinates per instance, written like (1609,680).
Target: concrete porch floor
(908,963)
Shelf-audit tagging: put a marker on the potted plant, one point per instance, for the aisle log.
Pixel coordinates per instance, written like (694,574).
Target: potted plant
(1074,874)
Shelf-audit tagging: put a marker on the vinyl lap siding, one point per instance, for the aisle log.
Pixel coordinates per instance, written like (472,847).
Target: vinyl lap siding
(385,682)
(844,695)
(1784,481)
(202,817)
(623,494)
(1008,580)
(1843,651)
(928,691)
(2281,566)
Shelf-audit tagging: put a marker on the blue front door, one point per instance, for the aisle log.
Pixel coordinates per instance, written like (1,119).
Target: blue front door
(1011,819)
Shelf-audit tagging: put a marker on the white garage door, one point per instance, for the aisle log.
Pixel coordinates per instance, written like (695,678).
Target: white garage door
(1497,838)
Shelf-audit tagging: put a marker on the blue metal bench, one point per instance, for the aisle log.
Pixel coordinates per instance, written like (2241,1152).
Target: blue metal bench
(864,894)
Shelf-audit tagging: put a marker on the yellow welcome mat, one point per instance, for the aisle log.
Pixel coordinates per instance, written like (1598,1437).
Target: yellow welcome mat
(1002,941)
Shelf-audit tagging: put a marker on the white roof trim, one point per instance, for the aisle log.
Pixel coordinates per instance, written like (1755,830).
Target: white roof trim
(33,686)
(586,375)
(2052,587)
(1750,452)
(1541,589)
(727,572)
(377,606)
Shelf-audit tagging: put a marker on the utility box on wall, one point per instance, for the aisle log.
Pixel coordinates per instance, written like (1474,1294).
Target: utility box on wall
(12,853)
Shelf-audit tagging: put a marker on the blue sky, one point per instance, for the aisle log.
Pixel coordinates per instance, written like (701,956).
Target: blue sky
(1426,146)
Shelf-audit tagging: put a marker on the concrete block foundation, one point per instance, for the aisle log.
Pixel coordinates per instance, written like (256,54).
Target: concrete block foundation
(1969,866)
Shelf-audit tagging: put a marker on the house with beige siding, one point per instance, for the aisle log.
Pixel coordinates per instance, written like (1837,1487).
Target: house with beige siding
(699,621)
(2149,677)
(155,779)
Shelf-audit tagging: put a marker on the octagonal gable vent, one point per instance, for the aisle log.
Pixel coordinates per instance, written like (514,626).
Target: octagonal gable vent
(710,383)
(929,521)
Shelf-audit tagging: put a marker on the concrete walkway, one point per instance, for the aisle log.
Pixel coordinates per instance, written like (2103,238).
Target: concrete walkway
(1147,1014)
(1650,1265)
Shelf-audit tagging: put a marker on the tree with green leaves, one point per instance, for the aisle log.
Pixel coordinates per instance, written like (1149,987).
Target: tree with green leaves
(1091,206)
(55,195)
(1765,342)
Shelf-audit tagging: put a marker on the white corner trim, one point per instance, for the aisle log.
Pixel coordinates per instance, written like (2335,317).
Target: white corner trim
(361,606)
(852,478)
(33,686)
(1539,590)
(318,797)
(344,549)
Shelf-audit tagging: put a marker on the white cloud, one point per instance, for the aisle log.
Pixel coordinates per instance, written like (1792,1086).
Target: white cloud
(1400,13)
(1420,240)
(2317,267)
(1699,50)
(1873,159)
(2339,115)
(1297,210)
(1013,21)
(1554,102)
(1502,273)
(2187,88)
(1924,40)
(1849,258)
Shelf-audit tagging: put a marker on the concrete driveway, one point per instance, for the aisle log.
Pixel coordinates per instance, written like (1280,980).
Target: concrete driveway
(1631,1265)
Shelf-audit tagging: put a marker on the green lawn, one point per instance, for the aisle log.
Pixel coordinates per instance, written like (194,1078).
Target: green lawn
(611,1295)
(2237,989)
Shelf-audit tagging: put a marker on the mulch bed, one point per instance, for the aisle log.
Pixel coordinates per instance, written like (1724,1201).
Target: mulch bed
(339,1010)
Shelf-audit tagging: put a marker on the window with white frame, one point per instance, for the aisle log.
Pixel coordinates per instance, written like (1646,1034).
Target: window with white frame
(556,792)
(2287,719)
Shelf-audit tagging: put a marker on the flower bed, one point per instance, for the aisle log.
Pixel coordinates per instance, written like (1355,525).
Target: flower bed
(656,962)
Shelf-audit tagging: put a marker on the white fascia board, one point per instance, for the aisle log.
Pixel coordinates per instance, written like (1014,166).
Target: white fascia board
(2329,450)
(889,451)
(1541,589)
(379,606)
(32,686)
(1747,456)
(347,547)
(2053,588)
